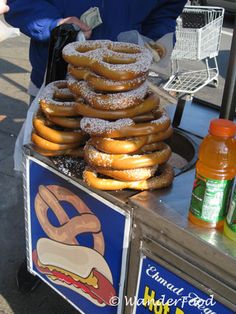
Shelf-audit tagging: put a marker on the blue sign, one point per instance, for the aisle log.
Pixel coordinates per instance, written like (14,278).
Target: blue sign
(77,240)
(162,292)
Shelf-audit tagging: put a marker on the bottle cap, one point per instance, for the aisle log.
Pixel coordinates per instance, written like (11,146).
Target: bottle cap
(222,127)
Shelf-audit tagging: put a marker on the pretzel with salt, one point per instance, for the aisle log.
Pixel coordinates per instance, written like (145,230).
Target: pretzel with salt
(112,60)
(164,179)
(99,83)
(127,127)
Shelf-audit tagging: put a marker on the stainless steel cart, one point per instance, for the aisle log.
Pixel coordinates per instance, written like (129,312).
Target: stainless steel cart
(144,232)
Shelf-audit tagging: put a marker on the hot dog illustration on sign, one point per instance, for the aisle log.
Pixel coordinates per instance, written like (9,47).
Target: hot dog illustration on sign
(60,257)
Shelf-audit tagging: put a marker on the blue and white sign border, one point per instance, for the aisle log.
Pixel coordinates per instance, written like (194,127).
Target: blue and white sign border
(28,231)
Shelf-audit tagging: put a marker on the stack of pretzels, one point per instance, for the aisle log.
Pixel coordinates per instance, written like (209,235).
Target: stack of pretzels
(126,125)
(129,155)
(56,125)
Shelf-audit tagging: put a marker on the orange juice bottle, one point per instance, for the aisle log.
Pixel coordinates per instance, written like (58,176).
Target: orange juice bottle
(215,172)
(230,222)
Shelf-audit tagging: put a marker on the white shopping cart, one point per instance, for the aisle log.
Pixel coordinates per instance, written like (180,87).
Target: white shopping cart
(198,34)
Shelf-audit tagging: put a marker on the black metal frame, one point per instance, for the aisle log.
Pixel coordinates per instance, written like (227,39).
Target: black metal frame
(228,105)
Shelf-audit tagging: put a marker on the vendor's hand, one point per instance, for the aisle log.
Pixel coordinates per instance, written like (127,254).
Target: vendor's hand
(3,7)
(74,20)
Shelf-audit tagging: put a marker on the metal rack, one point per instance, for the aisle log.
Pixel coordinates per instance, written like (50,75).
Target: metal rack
(198,35)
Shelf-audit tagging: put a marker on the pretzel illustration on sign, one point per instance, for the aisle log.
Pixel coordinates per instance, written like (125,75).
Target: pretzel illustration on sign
(49,197)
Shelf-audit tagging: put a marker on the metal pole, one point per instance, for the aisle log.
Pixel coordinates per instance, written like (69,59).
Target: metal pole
(179,111)
(229,96)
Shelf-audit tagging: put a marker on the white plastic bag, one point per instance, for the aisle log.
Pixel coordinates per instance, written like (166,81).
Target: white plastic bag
(8,31)
(24,136)
(135,37)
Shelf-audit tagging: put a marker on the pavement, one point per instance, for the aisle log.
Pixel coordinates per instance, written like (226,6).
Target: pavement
(14,78)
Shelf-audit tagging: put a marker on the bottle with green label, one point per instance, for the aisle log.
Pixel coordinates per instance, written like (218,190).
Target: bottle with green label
(215,173)
(230,222)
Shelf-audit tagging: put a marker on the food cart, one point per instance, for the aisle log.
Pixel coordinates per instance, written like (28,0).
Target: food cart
(127,251)
(150,247)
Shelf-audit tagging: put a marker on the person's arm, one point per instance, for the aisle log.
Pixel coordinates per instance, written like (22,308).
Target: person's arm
(162,20)
(3,6)
(36,19)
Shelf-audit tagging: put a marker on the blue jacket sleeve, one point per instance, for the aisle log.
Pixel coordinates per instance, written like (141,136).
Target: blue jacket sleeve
(35,19)
(162,20)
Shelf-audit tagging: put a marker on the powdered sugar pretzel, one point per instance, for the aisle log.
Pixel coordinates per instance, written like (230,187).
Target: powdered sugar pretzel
(112,60)
(96,158)
(148,104)
(100,83)
(57,90)
(162,180)
(85,222)
(109,101)
(129,175)
(129,145)
(56,136)
(56,99)
(124,128)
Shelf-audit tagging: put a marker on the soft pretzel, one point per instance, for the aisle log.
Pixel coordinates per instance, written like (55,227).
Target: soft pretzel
(109,101)
(148,148)
(72,152)
(65,122)
(145,117)
(112,60)
(56,136)
(57,100)
(128,175)
(99,83)
(158,50)
(149,103)
(128,145)
(96,158)
(47,145)
(125,127)
(162,180)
